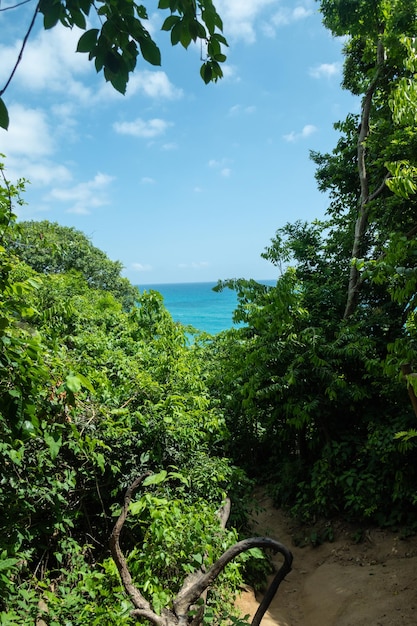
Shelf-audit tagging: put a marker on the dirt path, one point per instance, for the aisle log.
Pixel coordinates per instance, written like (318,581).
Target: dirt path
(343,583)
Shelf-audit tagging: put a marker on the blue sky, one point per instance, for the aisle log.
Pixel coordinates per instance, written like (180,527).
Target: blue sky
(180,181)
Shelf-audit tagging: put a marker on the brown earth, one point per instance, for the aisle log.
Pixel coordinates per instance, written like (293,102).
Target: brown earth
(343,583)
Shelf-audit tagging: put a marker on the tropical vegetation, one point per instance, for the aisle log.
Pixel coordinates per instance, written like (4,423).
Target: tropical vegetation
(309,395)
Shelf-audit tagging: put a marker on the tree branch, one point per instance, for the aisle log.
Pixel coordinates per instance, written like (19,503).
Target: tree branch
(380,189)
(363,210)
(196,583)
(142,606)
(19,58)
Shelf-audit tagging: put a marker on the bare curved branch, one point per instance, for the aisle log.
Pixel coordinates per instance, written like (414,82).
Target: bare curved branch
(15,6)
(142,606)
(196,584)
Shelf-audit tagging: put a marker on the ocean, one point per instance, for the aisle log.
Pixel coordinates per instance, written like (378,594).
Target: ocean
(196,304)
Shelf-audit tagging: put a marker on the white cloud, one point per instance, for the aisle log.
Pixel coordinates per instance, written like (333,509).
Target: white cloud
(84,196)
(29,134)
(239,17)
(222,166)
(141,267)
(154,85)
(29,146)
(196,265)
(44,173)
(285,16)
(169,146)
(242,17)
(146,180)
(230,74)
(238,108)
(308,130)
(140,128)
(325,70)
(50,63)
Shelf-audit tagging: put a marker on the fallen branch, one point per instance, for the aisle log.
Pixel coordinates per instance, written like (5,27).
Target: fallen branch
(196,584)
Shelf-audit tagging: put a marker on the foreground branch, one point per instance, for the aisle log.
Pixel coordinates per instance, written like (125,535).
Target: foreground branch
(196,585)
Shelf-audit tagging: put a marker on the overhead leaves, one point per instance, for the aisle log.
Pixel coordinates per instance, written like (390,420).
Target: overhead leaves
(88,40)
(4,115)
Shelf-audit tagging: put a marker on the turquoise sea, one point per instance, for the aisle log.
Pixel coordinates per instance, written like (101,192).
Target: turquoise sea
(198,305)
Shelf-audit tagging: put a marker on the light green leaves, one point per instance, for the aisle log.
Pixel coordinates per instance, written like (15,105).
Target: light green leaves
(155,479)
(403,181)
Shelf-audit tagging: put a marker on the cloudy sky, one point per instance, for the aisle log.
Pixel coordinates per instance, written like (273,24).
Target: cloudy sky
(180,181)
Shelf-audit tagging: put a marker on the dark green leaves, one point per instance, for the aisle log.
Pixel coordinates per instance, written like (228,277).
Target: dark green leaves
(4,116)
(211,71)
(115,46)
(88,40)
(185,28)
(51,11)
(150,51)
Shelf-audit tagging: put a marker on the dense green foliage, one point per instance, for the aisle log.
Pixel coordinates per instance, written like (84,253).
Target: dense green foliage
(312,384)
(98,384)
(53,249)
(92,393)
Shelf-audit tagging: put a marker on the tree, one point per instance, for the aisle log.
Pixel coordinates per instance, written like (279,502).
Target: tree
(374,65)
(119,35)
(311,383)
(50,248)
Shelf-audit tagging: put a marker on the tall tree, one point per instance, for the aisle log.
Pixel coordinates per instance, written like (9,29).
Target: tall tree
(311,382)
(374,56)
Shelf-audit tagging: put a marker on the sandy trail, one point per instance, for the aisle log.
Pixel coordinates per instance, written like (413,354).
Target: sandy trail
(343,583)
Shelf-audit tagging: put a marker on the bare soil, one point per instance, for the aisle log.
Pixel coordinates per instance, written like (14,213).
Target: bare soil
(347,582)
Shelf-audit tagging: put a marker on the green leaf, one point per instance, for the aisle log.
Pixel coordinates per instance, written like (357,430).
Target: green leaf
(155,479)
(73,383)
(176,33)
(78,19)
(4,115)
(136,508)
(119,81)
(8,563)
(206,73)
(86,383)
(51,15)
(185,38)
(170,22)
(150,51)
(88,40)
(53,444)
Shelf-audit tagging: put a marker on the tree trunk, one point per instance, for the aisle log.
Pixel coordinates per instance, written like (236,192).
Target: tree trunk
(364,199)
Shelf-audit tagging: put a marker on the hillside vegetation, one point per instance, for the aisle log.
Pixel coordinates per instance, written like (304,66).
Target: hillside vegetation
(312,394)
